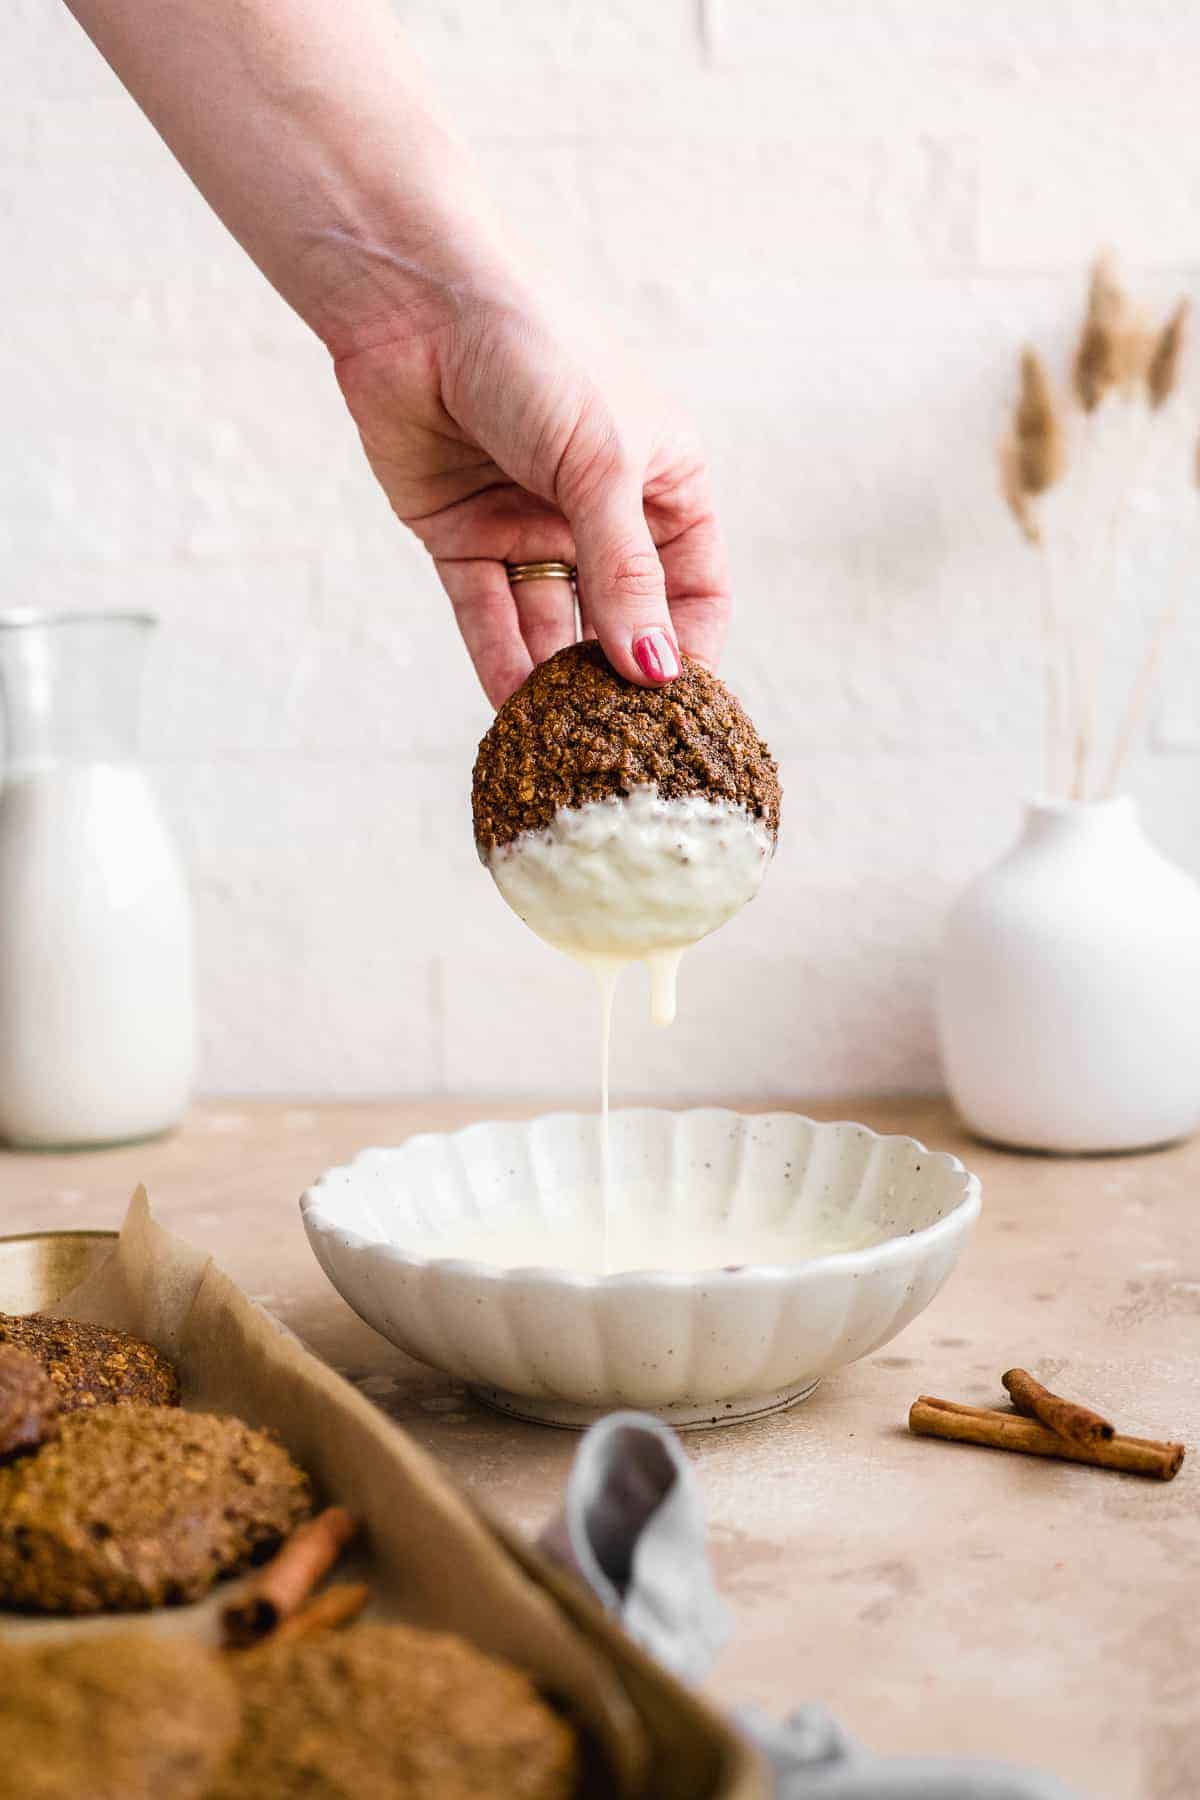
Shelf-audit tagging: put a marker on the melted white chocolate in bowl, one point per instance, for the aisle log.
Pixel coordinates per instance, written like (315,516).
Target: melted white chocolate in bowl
(635,878)
(636,1236)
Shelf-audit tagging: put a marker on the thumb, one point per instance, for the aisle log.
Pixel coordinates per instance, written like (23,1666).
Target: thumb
(622,587)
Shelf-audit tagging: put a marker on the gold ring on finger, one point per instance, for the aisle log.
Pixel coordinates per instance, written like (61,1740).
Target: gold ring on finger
(540,571)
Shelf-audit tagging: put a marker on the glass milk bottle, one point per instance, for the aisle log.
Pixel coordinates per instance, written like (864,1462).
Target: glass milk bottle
(95,922)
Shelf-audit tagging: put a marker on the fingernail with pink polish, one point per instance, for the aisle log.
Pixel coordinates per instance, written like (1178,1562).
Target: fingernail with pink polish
(655,656)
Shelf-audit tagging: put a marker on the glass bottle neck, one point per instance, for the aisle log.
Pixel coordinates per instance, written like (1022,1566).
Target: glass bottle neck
(70,687)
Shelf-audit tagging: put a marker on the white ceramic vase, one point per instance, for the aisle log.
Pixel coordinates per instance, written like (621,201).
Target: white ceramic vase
(1069,988)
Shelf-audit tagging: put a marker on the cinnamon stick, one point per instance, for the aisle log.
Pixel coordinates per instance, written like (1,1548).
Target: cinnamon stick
(333,1606)
(285,1583)
(1078,1423)
(950,1419)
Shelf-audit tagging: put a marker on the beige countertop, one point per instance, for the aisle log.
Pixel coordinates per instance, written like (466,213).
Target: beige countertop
(938,1597)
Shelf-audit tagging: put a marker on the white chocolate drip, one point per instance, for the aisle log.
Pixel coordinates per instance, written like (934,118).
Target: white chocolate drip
(635,878)
(606,971)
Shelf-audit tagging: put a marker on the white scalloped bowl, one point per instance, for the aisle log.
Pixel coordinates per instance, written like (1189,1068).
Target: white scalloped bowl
(700,1348)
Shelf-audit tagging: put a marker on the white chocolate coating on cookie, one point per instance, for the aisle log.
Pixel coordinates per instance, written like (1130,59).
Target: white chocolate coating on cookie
(633,875)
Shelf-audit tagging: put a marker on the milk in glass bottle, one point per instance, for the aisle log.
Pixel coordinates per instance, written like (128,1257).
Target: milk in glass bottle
(95,923)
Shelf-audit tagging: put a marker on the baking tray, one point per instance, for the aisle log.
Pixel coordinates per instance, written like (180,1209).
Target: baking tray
(431,1556)
(37,1268)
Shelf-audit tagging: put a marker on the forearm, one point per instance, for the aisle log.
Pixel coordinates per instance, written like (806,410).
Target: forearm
(308,128)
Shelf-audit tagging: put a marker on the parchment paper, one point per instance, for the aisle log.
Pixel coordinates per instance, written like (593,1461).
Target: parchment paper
(431,1558)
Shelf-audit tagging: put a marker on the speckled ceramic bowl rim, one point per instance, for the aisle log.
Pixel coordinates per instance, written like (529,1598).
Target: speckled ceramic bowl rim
(887,1250)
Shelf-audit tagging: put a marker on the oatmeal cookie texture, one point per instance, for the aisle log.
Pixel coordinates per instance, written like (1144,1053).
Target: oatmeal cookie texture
(92,1365)
(575,731)
(117,1717)
(136,1506)
(389,1712)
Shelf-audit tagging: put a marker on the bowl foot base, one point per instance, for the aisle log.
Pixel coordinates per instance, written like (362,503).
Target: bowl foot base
(684,1415)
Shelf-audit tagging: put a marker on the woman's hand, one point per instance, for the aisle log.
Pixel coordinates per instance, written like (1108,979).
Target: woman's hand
(495,444)
(311,131)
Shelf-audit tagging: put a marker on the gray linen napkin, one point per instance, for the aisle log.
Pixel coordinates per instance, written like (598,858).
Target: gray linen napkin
(632,1527)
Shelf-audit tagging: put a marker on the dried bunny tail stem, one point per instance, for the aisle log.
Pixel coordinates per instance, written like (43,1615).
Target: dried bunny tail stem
(1139,697)
(1135,347)
(1038,434)
(1162,369)
(1103,357)
(1143,685)
(1128,350)
(1152,657)
(1016,496)
(1052,659)
(1019,495)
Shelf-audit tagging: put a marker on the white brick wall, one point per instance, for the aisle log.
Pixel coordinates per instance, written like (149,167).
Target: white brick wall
(828,228)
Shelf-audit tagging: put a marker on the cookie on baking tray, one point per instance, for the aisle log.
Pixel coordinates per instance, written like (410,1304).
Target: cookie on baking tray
(122,1716)
(135,1506)
(92,1365)
(389,1712)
